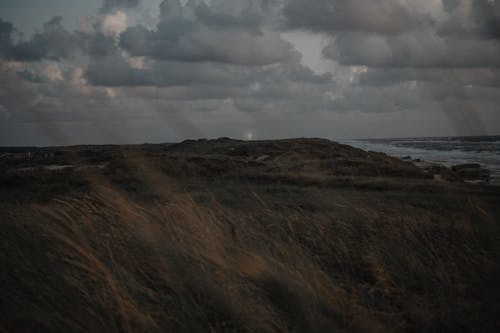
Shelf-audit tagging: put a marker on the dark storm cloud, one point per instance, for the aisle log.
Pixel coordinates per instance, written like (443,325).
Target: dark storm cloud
(483,20)
(221,73)
(372,16)
(6,44)
(19,103)
(410,56)
(418,97)
(487,77)
(196,32)
(53,42)
(110,5)
(43,103)
(102,45)
(390,33)
(116,71)
(450,5)
(249,17)
(465,18)
(220,66)
(418,49)
(30,76)
(278,82)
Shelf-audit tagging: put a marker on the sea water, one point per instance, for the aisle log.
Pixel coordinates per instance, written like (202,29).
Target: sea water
(448,151)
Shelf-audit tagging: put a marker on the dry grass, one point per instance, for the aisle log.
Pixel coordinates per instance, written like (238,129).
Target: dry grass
(237,254)
(181,266)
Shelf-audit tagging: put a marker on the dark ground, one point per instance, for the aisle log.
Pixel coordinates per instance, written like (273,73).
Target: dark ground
(301,235)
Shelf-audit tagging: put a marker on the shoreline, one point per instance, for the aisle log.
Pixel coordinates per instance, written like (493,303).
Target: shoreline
(428,158)
(480,170)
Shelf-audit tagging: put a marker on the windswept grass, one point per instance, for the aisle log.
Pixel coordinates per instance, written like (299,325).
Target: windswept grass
(235,254)
(106,263)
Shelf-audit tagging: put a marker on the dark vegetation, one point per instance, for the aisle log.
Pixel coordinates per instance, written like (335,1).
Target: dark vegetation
(300,235)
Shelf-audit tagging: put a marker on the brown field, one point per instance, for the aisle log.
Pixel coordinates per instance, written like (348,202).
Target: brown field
(301,235)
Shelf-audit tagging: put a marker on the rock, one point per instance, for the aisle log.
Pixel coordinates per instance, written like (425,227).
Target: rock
(440,172)
(466,166)
(472,172)
(406,157)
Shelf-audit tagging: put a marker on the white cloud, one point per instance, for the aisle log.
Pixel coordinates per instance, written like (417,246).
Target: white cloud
(52,71)
(114,24)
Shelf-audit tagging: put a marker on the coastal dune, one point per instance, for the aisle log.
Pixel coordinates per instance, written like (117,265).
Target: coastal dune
(298,235)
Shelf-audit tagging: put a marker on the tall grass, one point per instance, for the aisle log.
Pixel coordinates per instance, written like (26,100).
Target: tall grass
(189,244)
(184,266)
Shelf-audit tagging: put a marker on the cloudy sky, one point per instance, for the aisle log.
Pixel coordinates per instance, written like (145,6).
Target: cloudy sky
(131,71)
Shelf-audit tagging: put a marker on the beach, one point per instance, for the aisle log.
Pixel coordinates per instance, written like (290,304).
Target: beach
(445,151)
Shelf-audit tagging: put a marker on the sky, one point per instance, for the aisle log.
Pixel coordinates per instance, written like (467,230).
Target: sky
(136,71)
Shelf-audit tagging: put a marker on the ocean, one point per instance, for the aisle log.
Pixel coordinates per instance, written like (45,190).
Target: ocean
(447,151)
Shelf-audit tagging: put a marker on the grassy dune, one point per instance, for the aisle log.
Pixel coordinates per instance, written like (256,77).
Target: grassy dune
(232,236)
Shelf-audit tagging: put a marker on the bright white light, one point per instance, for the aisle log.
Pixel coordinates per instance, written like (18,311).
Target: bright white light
(250,136)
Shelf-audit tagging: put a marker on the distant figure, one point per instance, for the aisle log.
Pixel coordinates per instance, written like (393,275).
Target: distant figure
(250,136)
